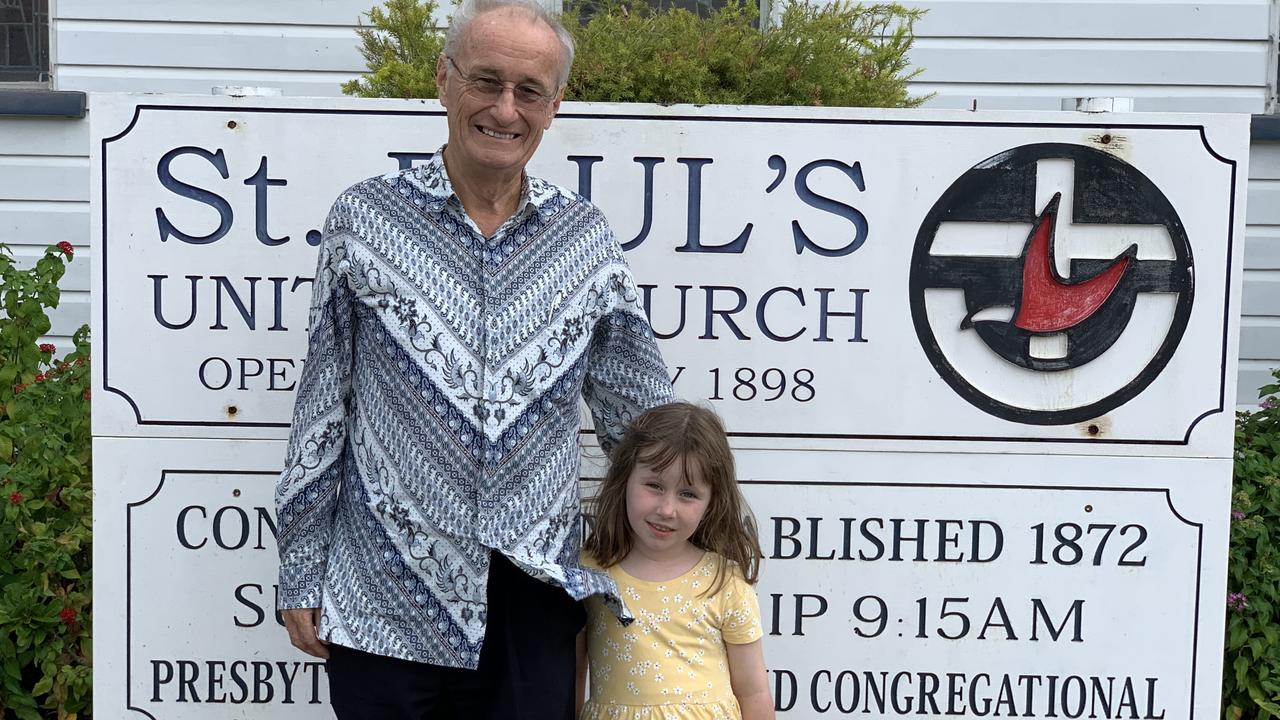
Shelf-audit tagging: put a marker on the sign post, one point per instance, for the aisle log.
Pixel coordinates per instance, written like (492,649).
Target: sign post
(977,370)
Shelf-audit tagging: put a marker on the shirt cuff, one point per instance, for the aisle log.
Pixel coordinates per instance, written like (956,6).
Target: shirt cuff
(301,586)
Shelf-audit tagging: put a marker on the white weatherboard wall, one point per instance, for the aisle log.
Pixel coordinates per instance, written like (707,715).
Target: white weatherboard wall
(1169,56)
(1208,56)
(1260,325)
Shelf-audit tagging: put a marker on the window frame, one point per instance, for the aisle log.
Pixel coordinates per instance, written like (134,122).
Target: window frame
(1273,63)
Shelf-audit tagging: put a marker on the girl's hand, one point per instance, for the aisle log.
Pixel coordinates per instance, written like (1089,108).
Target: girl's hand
(749,680)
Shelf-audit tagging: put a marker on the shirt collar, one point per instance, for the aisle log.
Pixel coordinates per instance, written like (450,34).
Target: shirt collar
(535,194)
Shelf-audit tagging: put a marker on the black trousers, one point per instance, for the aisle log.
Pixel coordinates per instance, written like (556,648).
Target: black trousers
(526,669)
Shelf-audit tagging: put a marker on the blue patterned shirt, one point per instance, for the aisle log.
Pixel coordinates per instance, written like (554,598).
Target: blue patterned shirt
(437,415)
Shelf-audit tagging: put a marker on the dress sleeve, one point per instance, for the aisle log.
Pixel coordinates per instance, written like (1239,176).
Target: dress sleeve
(625,372)
(307,490)
(739,610)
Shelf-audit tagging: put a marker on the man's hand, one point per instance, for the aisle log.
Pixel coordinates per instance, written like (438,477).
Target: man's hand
(303,625)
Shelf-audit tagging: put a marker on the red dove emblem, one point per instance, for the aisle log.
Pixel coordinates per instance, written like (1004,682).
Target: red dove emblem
(1051,303)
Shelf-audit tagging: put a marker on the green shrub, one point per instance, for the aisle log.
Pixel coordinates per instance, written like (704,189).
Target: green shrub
(45,501)
(400,50)
(841,54)
(1251,669)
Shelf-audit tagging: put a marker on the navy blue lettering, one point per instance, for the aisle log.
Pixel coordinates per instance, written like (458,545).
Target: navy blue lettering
(405,160)
(157,680)
(273,373)
(647,299)
(790,535)
(212,199)
(218,537)
(711,311)
(223,287)
(182,527)
(260,183)
(258,615)
(188,673)
(647,222)
(821,202)
(204,376)
(693,241)
(824,313)
(156,302)
(262,690)
(584,163)
(760,314)
(277,293)
(216,668)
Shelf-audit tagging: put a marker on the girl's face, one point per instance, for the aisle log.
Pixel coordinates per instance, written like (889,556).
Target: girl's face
(663,510)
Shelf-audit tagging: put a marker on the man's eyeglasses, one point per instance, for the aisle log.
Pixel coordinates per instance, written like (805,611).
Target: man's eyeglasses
(526,95)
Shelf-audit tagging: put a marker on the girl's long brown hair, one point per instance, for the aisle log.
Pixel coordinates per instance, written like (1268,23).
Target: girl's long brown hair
(688,434)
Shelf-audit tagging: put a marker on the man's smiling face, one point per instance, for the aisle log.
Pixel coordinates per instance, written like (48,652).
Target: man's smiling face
(489,134)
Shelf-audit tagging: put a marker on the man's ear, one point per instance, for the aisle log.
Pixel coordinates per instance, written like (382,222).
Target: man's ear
(442,77)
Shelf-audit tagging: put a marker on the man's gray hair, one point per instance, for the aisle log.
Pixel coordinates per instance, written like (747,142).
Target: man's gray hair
(470,9)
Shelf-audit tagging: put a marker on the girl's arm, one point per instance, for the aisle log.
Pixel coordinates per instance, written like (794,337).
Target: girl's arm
(580,681)
(749,680)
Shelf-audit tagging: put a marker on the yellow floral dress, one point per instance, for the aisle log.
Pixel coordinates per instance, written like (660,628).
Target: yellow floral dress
(671,663)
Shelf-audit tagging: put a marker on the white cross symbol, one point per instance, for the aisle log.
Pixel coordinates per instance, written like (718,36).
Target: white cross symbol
(1070,240)
(1031,389)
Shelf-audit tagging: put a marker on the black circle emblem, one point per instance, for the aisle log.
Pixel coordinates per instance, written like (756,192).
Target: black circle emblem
(1018,305)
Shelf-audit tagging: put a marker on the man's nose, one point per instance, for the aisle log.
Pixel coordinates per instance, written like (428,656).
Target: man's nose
(505,105)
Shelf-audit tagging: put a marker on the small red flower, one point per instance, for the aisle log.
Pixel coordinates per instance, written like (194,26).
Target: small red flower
(47,347)
(79,362)
(86,396)
(39,377)
(15,497)
(19,388)
(66,248)
(68,615)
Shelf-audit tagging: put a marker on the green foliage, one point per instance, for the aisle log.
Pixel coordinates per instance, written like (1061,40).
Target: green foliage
(45,501)
(400,50)
(1251,669)
(840,54)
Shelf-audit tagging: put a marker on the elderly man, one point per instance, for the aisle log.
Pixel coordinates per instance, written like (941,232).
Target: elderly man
(428,511)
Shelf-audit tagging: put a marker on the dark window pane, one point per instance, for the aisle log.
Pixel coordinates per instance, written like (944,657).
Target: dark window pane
(19,50)
(24,40)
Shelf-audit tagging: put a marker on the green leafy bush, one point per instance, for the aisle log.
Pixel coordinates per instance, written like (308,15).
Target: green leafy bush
(400,50)
(840,54)
(45,500)
(1251,669)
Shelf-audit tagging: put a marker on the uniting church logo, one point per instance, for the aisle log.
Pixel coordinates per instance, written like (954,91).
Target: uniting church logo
(1051,283)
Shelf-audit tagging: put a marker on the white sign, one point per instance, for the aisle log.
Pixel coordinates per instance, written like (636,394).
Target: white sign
(976,367)
(894,584)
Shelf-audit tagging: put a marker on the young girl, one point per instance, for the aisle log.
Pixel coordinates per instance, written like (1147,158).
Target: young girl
(672,529)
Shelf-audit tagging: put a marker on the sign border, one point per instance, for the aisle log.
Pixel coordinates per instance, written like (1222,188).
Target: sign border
(1186,439)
